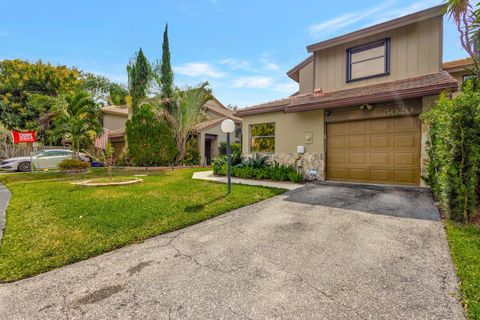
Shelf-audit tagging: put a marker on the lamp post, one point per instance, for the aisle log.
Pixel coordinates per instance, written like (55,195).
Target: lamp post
(228,126)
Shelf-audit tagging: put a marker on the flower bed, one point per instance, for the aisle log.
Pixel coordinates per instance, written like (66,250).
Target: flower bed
(257,167)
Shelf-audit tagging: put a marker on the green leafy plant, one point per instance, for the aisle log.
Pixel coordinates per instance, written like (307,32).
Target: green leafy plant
(78,120)
(256,161)
(192,155)
(454,152)
(234,148)
(150,139)
(70,165)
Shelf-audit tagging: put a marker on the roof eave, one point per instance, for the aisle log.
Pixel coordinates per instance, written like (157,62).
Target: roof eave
(379,97)
(253,111)
(381,27)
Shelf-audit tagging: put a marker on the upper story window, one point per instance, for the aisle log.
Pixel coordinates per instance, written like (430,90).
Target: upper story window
(262,137)
(368,60)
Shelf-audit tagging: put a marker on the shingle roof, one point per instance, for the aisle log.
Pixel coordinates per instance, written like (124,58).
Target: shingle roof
(209,124)
(457,65)
(407,88)
(118,110)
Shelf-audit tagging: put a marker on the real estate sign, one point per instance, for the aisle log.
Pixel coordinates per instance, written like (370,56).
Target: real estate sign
(27,136)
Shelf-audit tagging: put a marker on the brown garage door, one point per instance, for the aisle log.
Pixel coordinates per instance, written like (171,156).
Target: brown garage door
(375,151)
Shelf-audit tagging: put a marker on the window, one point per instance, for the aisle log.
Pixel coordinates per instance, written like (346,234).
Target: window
(468,77)
(262,137)
(368,60)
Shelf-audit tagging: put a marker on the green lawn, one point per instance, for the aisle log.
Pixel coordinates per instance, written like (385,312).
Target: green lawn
(51,223)
(464,244)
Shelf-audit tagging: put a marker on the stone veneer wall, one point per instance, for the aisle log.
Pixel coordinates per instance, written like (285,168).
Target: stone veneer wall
(308,161)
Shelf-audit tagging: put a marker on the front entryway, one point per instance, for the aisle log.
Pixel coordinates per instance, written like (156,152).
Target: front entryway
(375,151)
(209,142)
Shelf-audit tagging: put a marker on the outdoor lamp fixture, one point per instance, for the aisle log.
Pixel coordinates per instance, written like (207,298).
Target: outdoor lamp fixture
(228,126)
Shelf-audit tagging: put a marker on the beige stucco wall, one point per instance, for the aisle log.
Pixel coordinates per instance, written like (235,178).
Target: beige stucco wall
(290,130)
(306,78)
(416,49)
(114,122)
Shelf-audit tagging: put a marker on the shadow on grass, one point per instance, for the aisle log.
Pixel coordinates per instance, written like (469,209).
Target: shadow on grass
(199,207)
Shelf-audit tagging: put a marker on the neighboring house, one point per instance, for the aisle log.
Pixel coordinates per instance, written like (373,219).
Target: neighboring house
(459,69)
(209,134)
(355,116)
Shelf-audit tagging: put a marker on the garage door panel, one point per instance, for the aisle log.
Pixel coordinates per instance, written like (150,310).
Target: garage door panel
(338,158)
(381,175)
(405,176)
(406,141)
(381,158)
(358,142)
(337,173)
(336,143)
(378,151)
(405,158)
(338,129)
(358,174)
(385,126)
(381,141)
(406,124)
(358,127)
(357,158)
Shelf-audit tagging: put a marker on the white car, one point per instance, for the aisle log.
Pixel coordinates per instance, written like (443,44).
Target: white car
(46,159)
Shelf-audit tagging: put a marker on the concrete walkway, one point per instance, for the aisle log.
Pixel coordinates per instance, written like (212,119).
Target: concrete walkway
(294,256)
(208,175)
(5,196)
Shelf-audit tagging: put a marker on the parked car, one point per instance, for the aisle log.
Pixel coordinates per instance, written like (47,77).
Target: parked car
(45,159)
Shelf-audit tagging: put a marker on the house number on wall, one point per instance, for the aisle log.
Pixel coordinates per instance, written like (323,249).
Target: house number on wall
(398,110)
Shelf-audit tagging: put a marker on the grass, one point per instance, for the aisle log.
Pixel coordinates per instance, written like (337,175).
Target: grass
(51,223)
(464,242)
(114,179)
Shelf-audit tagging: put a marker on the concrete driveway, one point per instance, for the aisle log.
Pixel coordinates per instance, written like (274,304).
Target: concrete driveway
(320,252)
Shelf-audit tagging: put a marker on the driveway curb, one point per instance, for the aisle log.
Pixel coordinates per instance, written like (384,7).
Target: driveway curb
(5,196)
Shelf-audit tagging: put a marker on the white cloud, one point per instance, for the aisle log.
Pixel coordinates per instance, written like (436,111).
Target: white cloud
(270,66)
(414,7)
(344,20)
(289,87)
(253,82)
(236,64)
(198,69)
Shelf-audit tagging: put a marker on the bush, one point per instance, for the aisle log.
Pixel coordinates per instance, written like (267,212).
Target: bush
(256,167)
(234,148)
(150,140)
(70,165)
(192,155)
(454,152)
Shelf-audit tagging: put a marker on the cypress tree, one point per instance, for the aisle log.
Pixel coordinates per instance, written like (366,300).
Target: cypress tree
(139,75)
(166,78)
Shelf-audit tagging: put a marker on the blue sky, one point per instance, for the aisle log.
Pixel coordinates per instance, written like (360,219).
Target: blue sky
(243,48)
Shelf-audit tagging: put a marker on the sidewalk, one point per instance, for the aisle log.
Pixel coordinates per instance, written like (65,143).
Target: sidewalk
(209,176)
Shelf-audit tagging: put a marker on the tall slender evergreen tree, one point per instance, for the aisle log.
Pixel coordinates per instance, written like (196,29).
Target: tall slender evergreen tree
(166,78)
(139,76)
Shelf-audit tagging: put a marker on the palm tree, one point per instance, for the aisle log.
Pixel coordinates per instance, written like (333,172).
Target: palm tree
(186,110)
(77,119)
(467,20)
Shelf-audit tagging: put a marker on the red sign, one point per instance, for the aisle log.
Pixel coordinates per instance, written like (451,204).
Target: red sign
(28,136)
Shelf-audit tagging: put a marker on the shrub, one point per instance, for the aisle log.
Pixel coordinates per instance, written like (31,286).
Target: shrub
(256,161)
(70,165)
(150,139)
(192,155)
(220,162)
(256,168)
(234,148)
(454,152)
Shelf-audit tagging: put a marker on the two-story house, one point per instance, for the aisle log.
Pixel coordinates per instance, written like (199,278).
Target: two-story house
(208,132)
(355,116)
